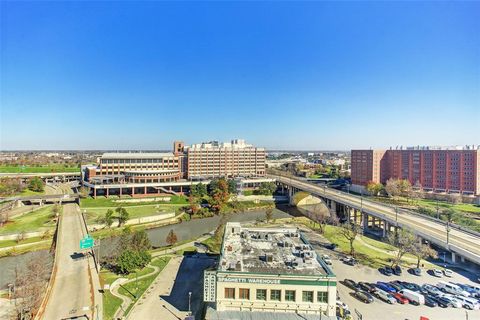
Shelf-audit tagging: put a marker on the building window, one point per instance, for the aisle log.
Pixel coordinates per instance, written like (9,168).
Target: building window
(229,293)
(322,296)
(307,296)
(244,294)
(261,294)
(275,295)
(289,295)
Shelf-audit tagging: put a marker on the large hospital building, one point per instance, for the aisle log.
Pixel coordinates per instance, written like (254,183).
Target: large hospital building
(439,170)
(147,173)
(269,270)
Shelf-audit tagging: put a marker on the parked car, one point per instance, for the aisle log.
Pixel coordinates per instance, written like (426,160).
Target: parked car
(431,289)
(396,285)
(386,271)
(363,296)
(430,302)
(448,273)
(411,286)
(400,298)
(470,303)
(327,259)
(397,270)
(452,288)
(385,286)
(350,284)
(350,261)
(415,271)
(437,273)
(385,296)
(365,286)
(474,290)
(414,297)
(442,302)
(456,303)
(331,246)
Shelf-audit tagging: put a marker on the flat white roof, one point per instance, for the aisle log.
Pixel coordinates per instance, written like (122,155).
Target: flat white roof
(137,155)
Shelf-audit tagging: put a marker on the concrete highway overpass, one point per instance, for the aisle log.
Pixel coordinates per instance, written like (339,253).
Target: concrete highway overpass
(461,243)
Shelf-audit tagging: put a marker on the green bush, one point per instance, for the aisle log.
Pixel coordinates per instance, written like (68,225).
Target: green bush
(130,260)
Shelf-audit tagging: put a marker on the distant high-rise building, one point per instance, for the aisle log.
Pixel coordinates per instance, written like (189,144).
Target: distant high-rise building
(441,170)
(227,159)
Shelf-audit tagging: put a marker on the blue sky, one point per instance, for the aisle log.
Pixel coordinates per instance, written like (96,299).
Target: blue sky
(283,75)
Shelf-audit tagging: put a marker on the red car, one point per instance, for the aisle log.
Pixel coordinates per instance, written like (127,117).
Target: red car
(400,298)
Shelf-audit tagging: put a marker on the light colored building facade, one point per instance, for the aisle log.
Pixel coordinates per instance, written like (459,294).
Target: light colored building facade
(227,159)
(270,270)
(447,170)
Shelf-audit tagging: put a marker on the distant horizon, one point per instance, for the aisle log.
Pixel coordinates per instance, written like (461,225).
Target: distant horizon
(282,75)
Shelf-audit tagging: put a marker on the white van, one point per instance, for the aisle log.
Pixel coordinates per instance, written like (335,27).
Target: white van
(414,297)
(452,288)
(469,303)
(385,296)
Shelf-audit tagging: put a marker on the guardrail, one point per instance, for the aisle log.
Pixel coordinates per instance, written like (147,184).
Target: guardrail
(405,211)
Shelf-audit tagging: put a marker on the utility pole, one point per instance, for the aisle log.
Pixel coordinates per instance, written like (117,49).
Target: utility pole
(189,303)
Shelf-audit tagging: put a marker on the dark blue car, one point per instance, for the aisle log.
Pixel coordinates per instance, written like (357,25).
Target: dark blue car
(385,287)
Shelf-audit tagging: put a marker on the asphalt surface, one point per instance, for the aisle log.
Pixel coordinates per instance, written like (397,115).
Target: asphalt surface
(72,291)
(458,238)
(379,310)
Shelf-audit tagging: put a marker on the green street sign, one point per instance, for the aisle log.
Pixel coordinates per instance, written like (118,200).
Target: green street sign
(87,242)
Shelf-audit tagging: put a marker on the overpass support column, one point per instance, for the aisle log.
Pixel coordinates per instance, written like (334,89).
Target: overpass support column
(333,207)
(133,192)
(107,192)
(462,258)
(454,258)
(94,193)
(384,230)
(364,217)
(145,190)
(120,192)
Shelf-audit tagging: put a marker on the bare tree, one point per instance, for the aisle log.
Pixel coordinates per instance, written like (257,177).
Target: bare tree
(403,240)
(350,231)
(21,236)
(455,198)
(29,285)
(421,251)
(418,192)
(392,188)
(269,213)
(321,215)
(171,238)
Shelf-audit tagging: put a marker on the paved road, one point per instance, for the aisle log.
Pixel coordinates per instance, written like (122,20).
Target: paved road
(460,241)
(72,293)
(379,309)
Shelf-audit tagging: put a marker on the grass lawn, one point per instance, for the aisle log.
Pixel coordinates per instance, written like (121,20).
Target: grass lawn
(34,246)
(213,244)
(134,211)
(40,169)
(11,243)
(111,202)
(137,288)
(37,220)
(28,192)
(110,302)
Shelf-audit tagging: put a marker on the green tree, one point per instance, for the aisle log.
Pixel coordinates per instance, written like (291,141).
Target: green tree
(193,204)
(198,190)
(123,215)
(171,238)
(36,184)
(421,251)
(232,186)
(109,218)
(374,188)
(129,260)
(124,240)
(267,188)
(140,241)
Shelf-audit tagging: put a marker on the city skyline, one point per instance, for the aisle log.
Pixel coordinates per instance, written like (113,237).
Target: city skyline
(284,76)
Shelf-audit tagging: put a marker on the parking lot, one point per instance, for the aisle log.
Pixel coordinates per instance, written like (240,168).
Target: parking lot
(379,310)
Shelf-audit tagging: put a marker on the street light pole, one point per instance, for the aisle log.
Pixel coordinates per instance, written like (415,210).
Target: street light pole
(189,303)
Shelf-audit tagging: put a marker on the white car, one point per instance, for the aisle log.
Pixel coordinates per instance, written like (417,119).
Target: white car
(327,259)
(437,273)
(448,273)
(457,303)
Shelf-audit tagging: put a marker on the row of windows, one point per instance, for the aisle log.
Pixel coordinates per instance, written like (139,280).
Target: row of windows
(276,295)
(137,160)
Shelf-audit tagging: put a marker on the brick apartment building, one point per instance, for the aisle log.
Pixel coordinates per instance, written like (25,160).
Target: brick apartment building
(439,170)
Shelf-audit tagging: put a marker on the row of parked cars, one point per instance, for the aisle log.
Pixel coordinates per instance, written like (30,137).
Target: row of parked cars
(397,270)
(444,294)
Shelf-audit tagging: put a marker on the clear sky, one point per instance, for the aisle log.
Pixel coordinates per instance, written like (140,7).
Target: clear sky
(283,75)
